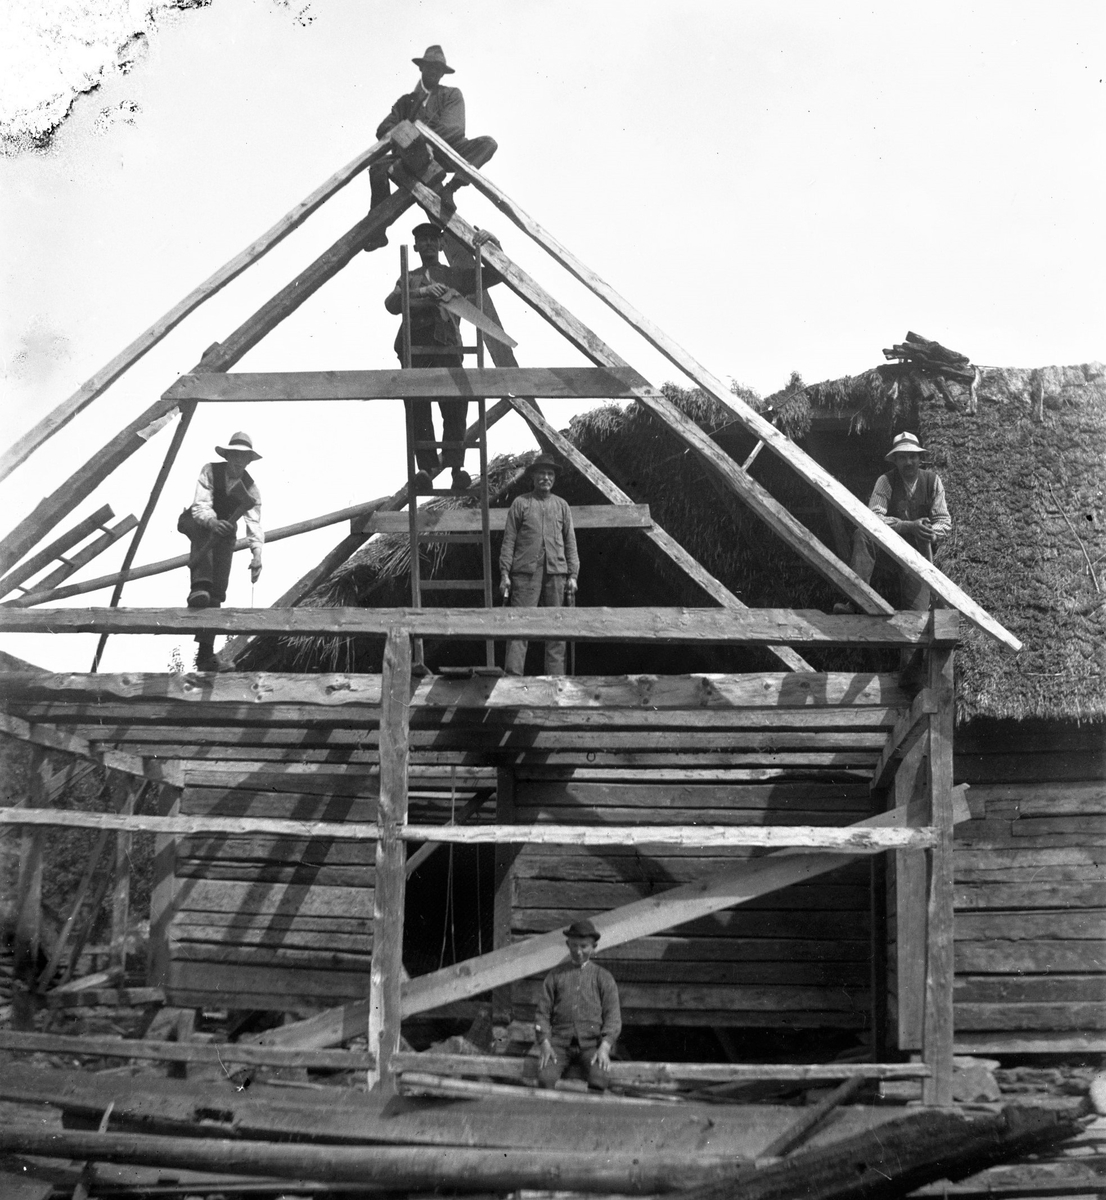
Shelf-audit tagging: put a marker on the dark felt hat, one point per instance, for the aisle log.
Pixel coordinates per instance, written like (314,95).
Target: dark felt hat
(544,460)
(434,55)
(427,229)
(582,929)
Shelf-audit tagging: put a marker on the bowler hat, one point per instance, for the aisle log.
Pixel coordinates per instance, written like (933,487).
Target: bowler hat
(436,56)
(238,441)
(905,443)
(544,460)
(582,929)
(427,229)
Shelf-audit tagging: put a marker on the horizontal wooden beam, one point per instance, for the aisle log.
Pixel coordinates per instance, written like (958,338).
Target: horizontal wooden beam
(189,1052)
(762,626)
(433,383)
(775,439)
(467,520)
(847,839)
(645,1074)
(126,358)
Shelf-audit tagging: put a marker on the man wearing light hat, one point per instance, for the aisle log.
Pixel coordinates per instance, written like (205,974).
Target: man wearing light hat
(441,109)
(538,562)
(225,491)
(578,1017)
(912,501)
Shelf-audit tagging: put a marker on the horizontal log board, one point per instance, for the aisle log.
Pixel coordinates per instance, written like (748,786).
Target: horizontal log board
(275,924)
(1026,768)
(765,626)
(1026,957)
(433,383)
(626,865)
(594,896)
(1081,924)
(470,520)
(667,1018)
(319,957)
(280,988)
(809,691)
(1039,989)
(782,797)
(745,921)
(296,900)
(1038,894)
(673,950)
(723,998)
(1031,1017)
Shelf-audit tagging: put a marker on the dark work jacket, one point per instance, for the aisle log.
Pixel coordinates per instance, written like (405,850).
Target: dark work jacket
(905,507)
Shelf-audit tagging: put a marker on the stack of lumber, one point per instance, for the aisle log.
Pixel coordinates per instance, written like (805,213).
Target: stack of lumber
(931,358)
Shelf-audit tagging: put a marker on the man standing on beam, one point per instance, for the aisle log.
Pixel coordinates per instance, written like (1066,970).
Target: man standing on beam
(538,563)
(439,108)
(225,491)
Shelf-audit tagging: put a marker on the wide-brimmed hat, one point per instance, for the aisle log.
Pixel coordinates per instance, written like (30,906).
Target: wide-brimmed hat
(544,460)
(239,441)
(427,229)
(582,929)
(905,443)
(436,55)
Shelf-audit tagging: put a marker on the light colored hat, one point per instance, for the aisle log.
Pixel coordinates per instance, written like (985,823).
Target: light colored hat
(905,443)
(239,441)
(435,55)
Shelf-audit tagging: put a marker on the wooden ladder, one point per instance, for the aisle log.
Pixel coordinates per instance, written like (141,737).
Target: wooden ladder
(418,536)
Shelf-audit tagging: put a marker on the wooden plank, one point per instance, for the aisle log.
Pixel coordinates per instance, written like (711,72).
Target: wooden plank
(1078,925)
(121,888)
(468,520)
(181,560)
(54,509)
(777,799)
(27,925)
(98,384)
(764,626)
(776,441)
(385,1014)
(55,549)
(766,692)
(292,900)
(937,1030)
(662,540)
(910,912)
(191,1052)
(83,557)
(435,383)
(163,888)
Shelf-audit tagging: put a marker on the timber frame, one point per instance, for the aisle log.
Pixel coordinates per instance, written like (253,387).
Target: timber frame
(383,740)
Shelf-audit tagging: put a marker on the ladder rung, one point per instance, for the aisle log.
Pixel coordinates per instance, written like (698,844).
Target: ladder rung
(445,350)
(421,445)
(450,537)
(443,585)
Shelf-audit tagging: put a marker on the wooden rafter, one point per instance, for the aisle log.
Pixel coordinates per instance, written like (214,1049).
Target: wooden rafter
(102,380)
(839,496)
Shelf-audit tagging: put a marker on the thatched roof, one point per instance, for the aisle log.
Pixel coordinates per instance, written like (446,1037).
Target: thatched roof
(1024,476)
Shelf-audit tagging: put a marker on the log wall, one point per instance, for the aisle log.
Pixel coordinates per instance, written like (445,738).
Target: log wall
(1030,889)
(796,958)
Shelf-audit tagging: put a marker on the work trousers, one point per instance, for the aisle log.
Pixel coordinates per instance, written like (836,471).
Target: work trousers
(579,1055)
(537,590)
(475,150)
(454,421)
(913,593)
(209,562)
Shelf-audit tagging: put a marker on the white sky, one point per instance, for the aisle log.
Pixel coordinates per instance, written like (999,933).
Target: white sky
(778,185)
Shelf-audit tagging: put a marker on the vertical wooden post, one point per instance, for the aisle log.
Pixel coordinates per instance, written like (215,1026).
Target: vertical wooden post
(877,900)
(937,1037)
(505,856)
(163,894)
(121,891)
(910,911)
(28,918)
(391,854)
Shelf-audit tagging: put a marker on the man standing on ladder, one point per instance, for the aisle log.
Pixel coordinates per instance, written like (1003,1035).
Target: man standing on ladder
(439,108)
(225,491)
(435,331)
(538,563)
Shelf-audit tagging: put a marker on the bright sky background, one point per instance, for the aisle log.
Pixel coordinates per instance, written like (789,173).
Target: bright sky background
(779,185)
